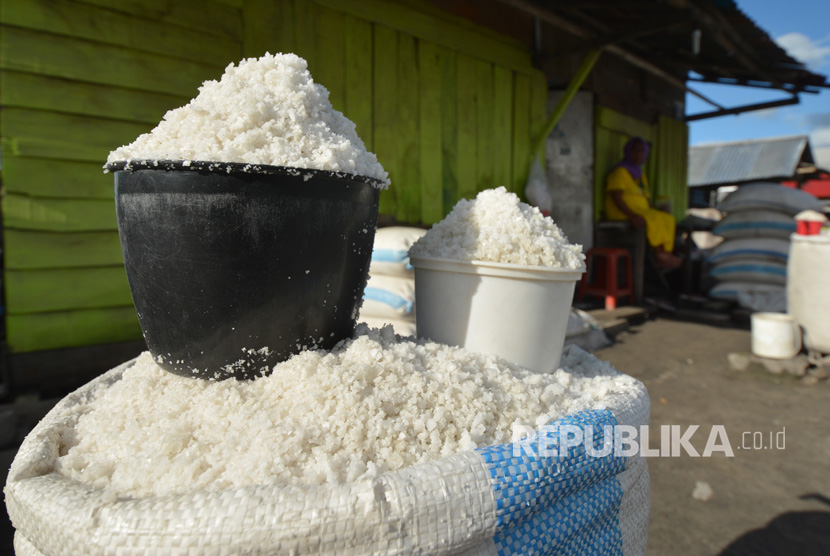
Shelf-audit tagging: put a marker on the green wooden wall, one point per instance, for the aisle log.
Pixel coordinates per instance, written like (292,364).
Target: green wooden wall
(665,167)
(450,108)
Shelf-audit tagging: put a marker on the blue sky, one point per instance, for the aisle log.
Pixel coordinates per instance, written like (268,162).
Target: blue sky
(802,27)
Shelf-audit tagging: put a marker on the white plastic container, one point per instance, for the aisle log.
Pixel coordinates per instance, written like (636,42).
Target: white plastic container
(519,313)
(775,335)
(808,296)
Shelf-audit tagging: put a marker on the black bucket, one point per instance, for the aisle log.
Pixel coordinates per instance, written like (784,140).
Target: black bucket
(235,268)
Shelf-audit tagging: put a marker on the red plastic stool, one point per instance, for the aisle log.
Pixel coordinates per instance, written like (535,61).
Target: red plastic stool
(603,275)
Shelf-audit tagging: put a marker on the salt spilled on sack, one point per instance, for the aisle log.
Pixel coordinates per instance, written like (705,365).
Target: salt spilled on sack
(497,227)
(375,403)
(263,111)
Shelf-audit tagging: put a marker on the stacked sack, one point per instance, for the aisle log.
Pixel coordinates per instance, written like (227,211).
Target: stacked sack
(750,266)
(389,297)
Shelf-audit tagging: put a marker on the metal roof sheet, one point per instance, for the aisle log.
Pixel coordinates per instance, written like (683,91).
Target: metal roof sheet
(745,161)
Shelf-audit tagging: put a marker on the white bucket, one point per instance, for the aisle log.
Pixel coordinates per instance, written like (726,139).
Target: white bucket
(519,313)
(808,297)
(775,335)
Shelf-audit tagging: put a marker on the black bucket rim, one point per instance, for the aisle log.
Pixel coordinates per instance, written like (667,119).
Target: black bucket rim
(235,169)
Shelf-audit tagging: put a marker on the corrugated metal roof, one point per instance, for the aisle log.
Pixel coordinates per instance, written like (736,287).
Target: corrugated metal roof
(745,161)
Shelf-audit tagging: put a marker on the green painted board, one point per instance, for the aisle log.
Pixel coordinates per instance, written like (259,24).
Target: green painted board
(43,134)
(614,121)
(62,289)
(93,23)
(408,137)
(56,178)
(449,127)
(485,117)
(385,95)
(209,16)
(58,215)
(330,59)
(440,28)
(304,34)
(43,331)
(262,27)
(358,62)
(68,58)
(502,126)
(29,250)
(27,90)
(467,162)
(429,127)
(521,131)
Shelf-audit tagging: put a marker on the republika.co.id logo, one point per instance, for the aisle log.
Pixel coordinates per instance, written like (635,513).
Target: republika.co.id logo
(557,440)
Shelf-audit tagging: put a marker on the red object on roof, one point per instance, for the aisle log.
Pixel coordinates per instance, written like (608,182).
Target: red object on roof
(819,187)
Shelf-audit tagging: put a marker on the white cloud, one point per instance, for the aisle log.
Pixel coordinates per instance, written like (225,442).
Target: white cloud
(801,47)
(820,137)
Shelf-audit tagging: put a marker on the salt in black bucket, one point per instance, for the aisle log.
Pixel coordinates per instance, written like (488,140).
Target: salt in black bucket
(234,268)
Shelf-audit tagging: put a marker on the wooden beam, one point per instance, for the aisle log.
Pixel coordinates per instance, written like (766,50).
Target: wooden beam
(741,109)
(644,30)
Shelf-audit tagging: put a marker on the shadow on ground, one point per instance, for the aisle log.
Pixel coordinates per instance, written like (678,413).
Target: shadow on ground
(802,533)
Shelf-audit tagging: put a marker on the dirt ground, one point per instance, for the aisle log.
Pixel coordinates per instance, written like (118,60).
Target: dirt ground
(767,501)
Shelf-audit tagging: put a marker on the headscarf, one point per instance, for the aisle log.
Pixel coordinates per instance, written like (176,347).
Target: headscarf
(636,170)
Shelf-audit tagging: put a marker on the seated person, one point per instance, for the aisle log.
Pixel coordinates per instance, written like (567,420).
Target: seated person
(627,198)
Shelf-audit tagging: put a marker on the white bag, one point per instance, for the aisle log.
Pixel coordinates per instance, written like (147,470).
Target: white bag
(756,223)
(389,297)
(390,253)
(483,502)
(769,196)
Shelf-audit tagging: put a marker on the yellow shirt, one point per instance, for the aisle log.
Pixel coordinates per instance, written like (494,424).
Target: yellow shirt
(634,196)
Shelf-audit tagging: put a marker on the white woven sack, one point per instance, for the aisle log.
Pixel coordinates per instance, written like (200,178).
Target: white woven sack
(389,297)
(769,196)
(483,502)
(755,248)
(755,223)
(757,296)
(390,253)
(750,270)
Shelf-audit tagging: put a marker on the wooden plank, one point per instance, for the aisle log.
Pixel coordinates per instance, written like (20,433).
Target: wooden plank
(502,126)
(209,16)
(384,98)
(485,148)
(521,131)
(42,134)
(449,128)
(285,26)
(304,35)
(42,331)
(262,24)
(440,28)
(330,59)
(92,23)
(56,178)
(67,58)
(621,123)
(358,94)
(467,127)
(62,289)
(57,215)
(430,133)
(29,250)
(27,90)
(408,147)
(538,103)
